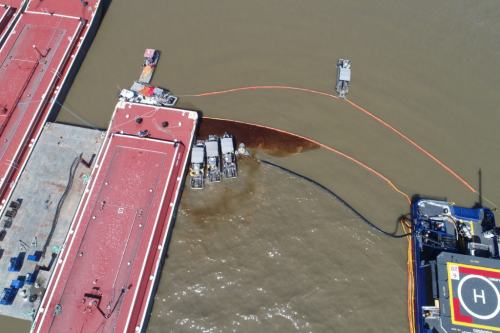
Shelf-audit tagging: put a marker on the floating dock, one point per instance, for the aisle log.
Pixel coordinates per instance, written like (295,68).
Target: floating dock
(43,205)
(111,261)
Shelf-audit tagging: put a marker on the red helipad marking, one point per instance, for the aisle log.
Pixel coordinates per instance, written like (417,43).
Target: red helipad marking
(480,272)
(123,219)
(474,296)
(458,315)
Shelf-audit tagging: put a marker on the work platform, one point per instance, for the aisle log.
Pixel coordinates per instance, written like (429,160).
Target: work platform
(106,275)
(37,217)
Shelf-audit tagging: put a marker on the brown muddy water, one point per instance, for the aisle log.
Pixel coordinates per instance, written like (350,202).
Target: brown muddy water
(270,251)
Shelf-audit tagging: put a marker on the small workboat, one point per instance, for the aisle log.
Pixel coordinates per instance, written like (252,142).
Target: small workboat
(149,65)
(145,94)
(228,156)
(197,169)
(343,77)
(456,268)
(213,159)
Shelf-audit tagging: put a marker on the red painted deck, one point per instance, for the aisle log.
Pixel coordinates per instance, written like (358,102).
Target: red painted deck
(30,77)
(9,9)
(104,278)
(6,16)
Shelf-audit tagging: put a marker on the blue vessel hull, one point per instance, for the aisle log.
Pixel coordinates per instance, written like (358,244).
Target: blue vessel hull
(454,268)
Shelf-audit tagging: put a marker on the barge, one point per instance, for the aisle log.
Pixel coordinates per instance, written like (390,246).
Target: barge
(456,268)
(151,57)
(110,264)
(343,77)
(213,159)
(42,48)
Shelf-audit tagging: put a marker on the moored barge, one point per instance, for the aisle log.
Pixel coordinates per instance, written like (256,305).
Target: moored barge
(111,260)
(39,60)
(456,268)
(10,11)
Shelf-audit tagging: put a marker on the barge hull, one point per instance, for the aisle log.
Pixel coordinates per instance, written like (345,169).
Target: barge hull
(32,104)
(110,265)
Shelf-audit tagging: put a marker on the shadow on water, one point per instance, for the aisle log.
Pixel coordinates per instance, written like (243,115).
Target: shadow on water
(271,142)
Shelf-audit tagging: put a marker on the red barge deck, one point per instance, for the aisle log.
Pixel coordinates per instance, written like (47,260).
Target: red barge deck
(107,271)
(10,11)
(39,58)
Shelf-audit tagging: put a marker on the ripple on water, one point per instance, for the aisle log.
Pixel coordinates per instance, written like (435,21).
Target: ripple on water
(269,262)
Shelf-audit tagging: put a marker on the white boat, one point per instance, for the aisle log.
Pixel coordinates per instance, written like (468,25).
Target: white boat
(213,159)
(145,94)
(197,169)
(228,156)
(343,77)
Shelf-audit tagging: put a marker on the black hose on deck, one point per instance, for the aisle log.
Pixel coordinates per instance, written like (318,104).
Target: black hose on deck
(72,171)
(339,199)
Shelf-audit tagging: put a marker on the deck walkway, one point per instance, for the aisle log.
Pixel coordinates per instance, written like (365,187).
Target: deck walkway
(39,192)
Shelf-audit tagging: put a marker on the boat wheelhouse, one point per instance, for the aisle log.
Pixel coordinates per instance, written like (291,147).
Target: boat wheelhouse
(213,159)
(197,169)
(151,57)
(343,77)
(456,268)
(228,156)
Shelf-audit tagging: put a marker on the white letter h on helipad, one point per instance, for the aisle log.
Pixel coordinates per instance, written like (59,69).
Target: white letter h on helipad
(476,296)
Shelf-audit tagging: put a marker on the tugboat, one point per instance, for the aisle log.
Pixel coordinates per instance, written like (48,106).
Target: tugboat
(149,65)
(228,156)
(213,159)
(197,169)
(343,77)
(145,94)
(456,268)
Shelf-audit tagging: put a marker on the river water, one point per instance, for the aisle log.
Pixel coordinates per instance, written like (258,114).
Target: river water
(273,252)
